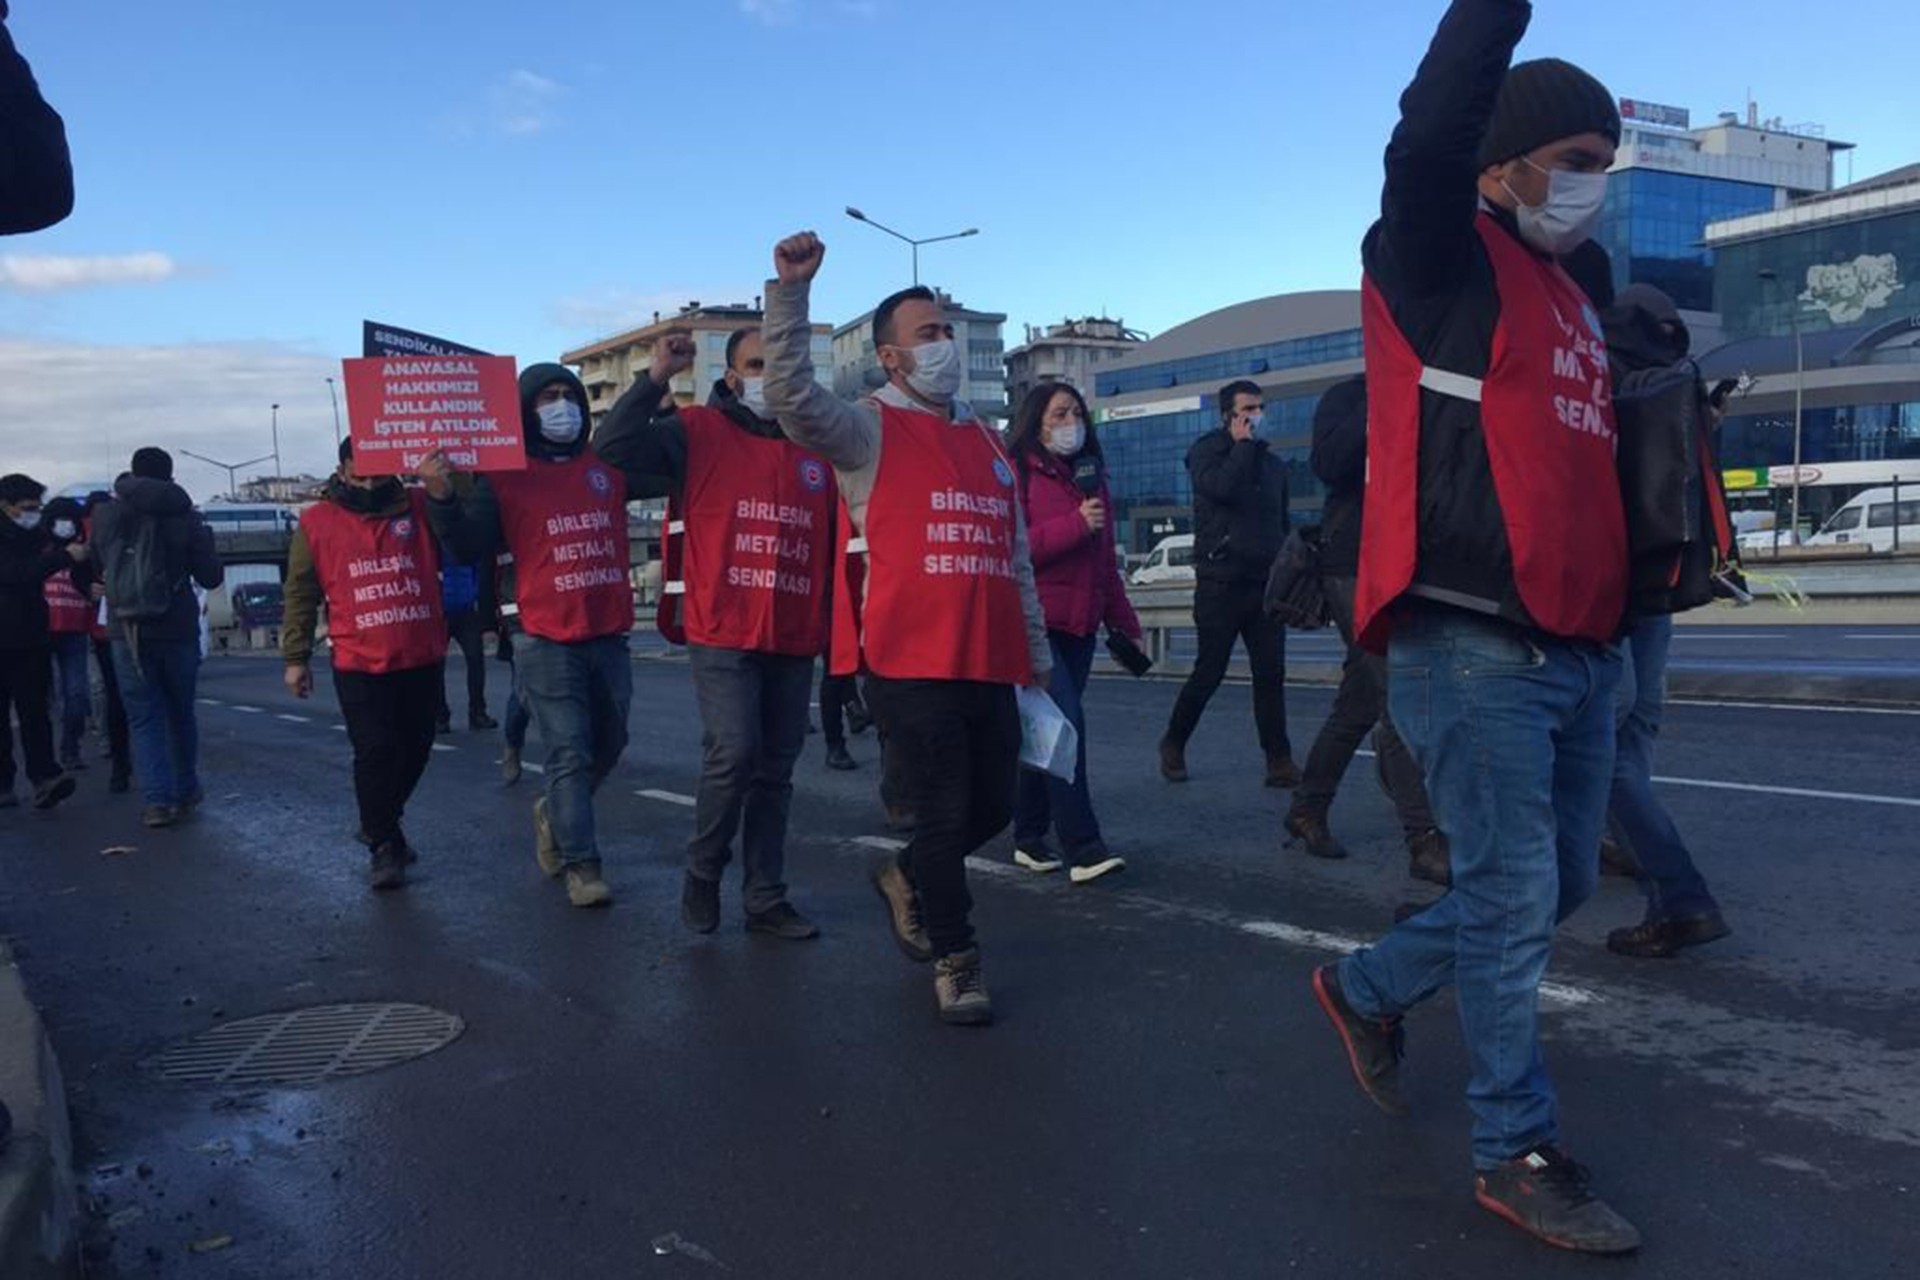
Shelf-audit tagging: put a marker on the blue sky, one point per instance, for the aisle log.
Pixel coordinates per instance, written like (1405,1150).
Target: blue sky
(256,178)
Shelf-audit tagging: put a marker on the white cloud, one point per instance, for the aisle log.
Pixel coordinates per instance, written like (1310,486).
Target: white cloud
(74,411)
(607,311)
(521,103)
(47,273)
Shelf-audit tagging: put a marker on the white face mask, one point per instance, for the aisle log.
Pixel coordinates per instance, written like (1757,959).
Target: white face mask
(936,370)
(1572,211)
(1255,421)
(753,394)
(560,421)
(28,519)
(1064,439)
(64,529)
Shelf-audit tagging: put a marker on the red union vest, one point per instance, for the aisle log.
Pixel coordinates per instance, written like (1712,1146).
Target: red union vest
(754,555)
(565,525)
(381,578)
(849,586)
(69,613)
(942,602)
(1546,422)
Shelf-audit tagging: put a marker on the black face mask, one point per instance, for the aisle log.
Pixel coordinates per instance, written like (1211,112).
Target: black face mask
(384,493)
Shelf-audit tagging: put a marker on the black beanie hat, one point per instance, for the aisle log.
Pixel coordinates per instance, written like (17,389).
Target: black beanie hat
(1340,406)
(152,464)
(1544,101)
(346,450)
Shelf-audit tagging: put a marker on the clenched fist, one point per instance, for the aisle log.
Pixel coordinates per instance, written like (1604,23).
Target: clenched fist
(673,355)
(437,474)
(797,259)
(299,678)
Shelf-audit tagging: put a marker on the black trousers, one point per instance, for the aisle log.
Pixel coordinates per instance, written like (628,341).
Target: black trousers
(468,630)
(118,747)
(390,721)
(26,692)
(956,745)
(1225,612)
(837,693)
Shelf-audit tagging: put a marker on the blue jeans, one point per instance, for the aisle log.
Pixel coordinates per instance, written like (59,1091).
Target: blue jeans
(578,695)
(1043,800)
(72,691)
(1515,734)
(754,709)
(514,723)
(158,688)
(1674,887)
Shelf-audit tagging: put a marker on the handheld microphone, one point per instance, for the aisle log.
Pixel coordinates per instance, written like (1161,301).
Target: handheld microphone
(1086,475)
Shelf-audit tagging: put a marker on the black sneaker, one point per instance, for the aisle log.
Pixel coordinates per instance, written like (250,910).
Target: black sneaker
(52,792)
(1311,830)
(1653,939)
(443,723)
(1283,773)
(1374,1046)
(782,921)
(700,904)
(1546,1193)
(1429,858)
(839,760)
(1173,760)
(160,815)
(859,720)
(388,869)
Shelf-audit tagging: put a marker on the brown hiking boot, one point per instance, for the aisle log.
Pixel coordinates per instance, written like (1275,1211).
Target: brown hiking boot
(545,851)
(1429,859)
(961,991)
(1283,773)
(903,910)
(585,888)
(1311,830)
(389,867)
(1173,760)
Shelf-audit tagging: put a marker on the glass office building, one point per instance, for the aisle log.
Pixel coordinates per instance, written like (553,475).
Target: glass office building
(1654,225)
(1152,406)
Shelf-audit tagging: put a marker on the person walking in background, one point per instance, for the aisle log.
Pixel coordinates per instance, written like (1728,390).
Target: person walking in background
(151,550)
(1076,569)
(1340,460)
(949,621)
(841,711)
(28,558)
(563,523)
(755,559)
(514,723)
(113,711)
(1240,520)
(1494,568)
(69,620)
(365,551)
(461,595)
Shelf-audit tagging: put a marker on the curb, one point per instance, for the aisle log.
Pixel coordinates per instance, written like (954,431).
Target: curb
(39,1208)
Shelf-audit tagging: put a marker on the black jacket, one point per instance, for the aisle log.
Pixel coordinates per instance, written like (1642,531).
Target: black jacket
(647,440)
(1426,258)
(36,173)
(28,557)
(1339,459)
(1239,507)
(191,556)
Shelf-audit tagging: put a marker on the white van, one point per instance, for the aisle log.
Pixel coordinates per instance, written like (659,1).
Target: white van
(1869,519)
(1171,561)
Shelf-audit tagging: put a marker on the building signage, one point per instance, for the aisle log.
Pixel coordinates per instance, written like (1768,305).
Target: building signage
(1151,409)
(1635,111)
(1750,478)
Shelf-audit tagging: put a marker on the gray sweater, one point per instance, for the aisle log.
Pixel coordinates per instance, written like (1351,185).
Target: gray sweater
(849,437)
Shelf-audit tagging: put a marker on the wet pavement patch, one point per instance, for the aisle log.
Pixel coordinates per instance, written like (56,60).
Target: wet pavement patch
(309,1046)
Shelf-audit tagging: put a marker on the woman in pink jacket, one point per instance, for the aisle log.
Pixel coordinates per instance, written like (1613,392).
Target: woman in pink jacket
(1069,529)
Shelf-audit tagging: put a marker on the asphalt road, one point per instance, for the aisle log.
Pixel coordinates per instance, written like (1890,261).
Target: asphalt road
(1160,1098)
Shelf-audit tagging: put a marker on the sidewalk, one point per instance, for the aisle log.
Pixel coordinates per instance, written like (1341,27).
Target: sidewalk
(39,1209)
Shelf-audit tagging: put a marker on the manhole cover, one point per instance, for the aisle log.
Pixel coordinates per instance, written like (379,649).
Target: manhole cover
(308,1046)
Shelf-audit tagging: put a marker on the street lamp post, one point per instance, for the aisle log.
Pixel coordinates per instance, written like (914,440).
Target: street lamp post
(277,472)
(1772,277)
(914,244)
(334,396)
(231,468)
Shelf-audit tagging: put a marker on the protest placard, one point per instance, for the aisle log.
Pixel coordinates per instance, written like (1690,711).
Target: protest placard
(400,408)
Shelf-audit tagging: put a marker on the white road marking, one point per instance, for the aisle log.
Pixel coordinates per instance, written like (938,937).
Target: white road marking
(533,768)
(441,746)
(1804,793)
(209,702)
(666,797)
(888,843)
(252,711)
(1794,706)
(292,718)
(1736,635)
(1891,637)
(338,728)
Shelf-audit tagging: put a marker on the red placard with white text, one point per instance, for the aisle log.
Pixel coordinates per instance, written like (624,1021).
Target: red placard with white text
(401,408)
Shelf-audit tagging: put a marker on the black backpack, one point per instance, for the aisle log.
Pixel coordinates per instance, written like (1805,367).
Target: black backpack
(139,572)
(1678,532)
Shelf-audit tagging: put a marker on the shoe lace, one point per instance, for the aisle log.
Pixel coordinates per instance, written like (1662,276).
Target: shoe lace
(966,980)
(1561,1175)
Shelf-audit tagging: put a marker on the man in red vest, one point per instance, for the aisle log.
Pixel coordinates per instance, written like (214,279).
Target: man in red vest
(950,622)
(366,551)
(756,512)
(1493,570)
(562,523)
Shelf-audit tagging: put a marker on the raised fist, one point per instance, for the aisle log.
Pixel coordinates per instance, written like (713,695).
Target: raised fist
(437,474)
(797,259)
(673,355)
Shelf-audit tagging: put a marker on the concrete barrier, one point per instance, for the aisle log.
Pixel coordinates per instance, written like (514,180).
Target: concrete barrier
(39,1205)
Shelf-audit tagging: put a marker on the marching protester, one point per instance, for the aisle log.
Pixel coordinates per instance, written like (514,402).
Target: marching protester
(462,595)
(1494,569)
(563,524)
(1076,569)
(28,558)
(1666,418)
(366,552)
(1240,520)
(514,724)
(950,622)
(69,620)
(841,710)
(119,745)
(151,549)
(1340,460)
(755,559)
